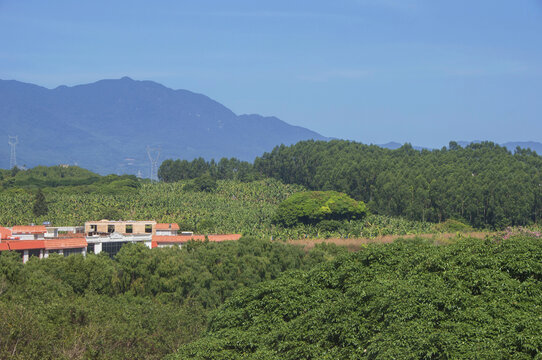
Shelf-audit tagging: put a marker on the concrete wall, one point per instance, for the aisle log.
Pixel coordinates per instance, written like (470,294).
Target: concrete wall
(138,227)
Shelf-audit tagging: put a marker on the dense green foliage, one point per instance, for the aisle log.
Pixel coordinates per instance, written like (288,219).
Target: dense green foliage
(233,207)
(40,207)
(474,299)
(204,182)
(142,305)
(484,184)
(313,207)
(225,169)
(70,179)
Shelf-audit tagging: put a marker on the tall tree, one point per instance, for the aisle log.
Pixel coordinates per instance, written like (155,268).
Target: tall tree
(40,204)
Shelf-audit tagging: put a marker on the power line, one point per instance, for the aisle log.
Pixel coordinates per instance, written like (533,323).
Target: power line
(154,154)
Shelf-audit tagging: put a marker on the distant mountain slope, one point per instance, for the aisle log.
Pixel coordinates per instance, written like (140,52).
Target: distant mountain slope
(107,125)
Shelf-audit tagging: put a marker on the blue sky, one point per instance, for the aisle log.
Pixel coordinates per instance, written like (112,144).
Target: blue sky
(419,71)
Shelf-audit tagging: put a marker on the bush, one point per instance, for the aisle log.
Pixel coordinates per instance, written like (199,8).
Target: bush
(312,207)
(452,225)
(330,225)
(204,182)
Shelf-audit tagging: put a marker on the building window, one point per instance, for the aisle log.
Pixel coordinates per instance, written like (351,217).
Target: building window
(34,252)
(129,229)
(110,228)
(112,248)
(148,228)
(90,248)
(68,252)
(93,228)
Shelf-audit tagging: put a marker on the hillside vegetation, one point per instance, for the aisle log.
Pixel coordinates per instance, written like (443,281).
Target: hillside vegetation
(473,299)
(483,184)
(70,179)
(231,207)
(142,305)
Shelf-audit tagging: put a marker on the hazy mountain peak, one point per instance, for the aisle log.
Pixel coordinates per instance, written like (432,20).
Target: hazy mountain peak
(99,125)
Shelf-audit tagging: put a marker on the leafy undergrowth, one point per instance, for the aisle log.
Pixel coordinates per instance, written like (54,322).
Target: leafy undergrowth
(142,305)
(233,207)
(411,299)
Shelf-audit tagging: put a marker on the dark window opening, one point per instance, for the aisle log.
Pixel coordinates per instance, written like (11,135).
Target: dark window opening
(68,252)
(129,229)
(90,248)
(112,248)
(148,228)
(34,252)
(110,228)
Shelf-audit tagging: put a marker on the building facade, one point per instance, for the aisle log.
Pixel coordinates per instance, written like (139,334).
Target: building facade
(95,237)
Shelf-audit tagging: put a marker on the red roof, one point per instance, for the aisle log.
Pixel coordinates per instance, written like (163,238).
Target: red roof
(65,243)
(167,227)
(72,235)
(4,233)
(25,244)
(4,246)
(225,237)
(29,229)
(176,239)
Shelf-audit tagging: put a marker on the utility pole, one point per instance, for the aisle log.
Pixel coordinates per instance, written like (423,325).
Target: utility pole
(154,154)
(13,141)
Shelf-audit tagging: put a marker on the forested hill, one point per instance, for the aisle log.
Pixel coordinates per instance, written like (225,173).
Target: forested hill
(107,125)
(483,183)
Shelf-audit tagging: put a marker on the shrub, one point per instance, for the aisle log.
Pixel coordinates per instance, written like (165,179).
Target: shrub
(452,225)
(311,207)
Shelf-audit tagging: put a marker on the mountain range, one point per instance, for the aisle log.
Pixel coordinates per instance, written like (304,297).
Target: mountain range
(107,126)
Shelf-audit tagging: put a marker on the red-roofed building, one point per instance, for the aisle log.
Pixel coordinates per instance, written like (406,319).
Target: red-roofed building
(29,232)
(168,240)
(5,233)
(27,248)
(66,246)
(99,236)
(167,229)
(26,244)
(40,248)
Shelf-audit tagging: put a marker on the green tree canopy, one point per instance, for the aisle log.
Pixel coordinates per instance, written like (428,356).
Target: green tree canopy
(312,207)
(475,299)
(40,207)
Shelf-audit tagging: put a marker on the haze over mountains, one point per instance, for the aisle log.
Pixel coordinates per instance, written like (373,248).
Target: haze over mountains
(106,126)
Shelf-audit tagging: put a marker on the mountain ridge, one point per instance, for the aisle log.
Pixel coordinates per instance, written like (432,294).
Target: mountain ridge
(101,124)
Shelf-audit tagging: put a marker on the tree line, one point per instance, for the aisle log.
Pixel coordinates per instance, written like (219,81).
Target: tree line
(225,169)
(473,299)
(482,184)
(72,179)
(143,304)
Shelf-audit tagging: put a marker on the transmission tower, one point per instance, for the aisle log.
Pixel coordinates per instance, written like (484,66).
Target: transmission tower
(13,141)
(154,154)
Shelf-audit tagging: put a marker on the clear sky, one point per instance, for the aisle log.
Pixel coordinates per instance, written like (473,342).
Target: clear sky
(419,71)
